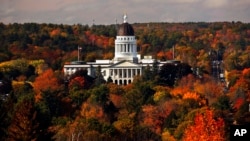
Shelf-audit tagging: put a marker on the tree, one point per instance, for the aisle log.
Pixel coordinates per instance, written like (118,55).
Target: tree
(24,124)
(147,74)
(133,100)
(222,103)
(77,83)
(205,128)
(5,86)
(99,77)
(100,95)
(169,73)
(81,79)
(44,82)
(154,116)
(6,113)
(92,111)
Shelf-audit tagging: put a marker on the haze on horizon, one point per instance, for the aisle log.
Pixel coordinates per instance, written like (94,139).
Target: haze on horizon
(108,11)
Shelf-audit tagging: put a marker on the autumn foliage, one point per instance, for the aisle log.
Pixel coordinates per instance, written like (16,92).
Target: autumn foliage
(205,128)
(24,124)
(177,102)
(77,82)
(47,81)
(153,116)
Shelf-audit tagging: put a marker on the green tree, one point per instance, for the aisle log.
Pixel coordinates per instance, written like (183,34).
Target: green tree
(99,77)
(6,110)
(222,103)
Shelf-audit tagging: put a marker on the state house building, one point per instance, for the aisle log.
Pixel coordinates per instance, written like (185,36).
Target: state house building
(125,65)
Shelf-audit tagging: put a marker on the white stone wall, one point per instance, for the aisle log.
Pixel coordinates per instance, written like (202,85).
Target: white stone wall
(125,48)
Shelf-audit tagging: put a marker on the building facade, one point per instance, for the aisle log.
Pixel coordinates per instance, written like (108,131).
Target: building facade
(125,65)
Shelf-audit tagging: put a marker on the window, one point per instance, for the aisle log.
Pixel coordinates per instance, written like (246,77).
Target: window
(111,72)
(125,82)
(104,73)
(138,72)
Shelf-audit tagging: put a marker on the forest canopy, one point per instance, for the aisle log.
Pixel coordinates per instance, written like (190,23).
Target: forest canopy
(167,104)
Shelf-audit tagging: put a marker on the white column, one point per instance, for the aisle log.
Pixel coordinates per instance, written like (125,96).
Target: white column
(122,73)
(127,72)
(131,73)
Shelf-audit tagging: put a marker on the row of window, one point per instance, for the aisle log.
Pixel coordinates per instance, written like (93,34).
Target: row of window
(126,38)
(122,82)
(125,73)
(70,71)
(125,47)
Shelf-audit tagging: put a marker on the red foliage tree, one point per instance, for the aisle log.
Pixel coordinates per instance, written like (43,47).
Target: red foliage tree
(45,81)
(205,128)
(77,82)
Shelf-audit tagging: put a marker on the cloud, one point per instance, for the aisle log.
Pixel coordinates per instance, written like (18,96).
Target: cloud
(105,12)
(215,3)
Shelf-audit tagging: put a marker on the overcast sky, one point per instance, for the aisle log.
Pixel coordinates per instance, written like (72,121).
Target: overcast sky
(107,11)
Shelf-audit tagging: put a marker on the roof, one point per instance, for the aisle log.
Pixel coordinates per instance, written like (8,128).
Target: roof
(125,30)
(125,64)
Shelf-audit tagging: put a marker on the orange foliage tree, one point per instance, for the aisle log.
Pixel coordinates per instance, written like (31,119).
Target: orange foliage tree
(161,55)
(205,128)
(240,91)
(198,89)
(89,110)
(45,81)
(185,85)
(153,116)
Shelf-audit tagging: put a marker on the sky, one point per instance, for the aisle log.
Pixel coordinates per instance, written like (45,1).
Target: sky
(107,12)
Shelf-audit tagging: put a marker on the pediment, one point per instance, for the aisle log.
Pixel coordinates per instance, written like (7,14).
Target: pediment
(124,64)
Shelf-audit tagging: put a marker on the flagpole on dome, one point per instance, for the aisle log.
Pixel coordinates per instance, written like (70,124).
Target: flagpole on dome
(125,18)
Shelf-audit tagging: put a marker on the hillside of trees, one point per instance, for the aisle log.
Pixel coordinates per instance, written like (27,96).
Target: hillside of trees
(37,104)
